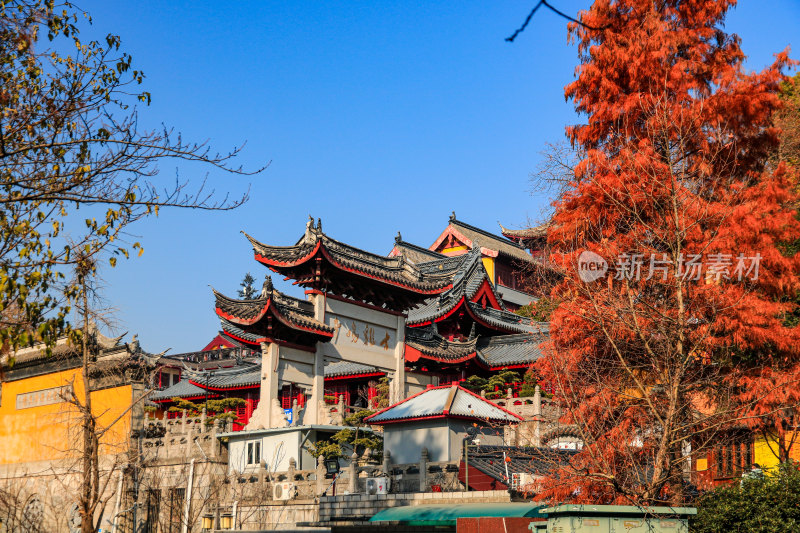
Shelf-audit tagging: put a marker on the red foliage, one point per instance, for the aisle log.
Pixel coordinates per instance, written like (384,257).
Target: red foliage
(677,143)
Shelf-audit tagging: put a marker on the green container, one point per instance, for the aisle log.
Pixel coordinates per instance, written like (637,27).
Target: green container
(616,519)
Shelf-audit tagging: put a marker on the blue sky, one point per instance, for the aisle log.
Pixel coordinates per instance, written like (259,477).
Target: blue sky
(378,117)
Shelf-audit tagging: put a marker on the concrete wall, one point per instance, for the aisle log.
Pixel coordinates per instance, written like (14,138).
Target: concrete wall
(406,440)
(276,450)
(487,435)
(444,439)
(361,507)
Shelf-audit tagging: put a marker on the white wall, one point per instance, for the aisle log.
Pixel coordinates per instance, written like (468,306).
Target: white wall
(406,440)
(276,450)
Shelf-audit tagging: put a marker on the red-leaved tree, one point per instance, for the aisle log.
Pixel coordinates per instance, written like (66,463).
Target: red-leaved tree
(677,194)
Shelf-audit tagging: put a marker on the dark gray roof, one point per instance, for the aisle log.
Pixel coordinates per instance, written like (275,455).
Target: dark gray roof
(182,389)
(526,234)
(443,401)
(491,241)
(413,253)
(347,368)
(232,329)
(222,358)
(491,460)
(243,375)
(469,274)
(495,352)
(293,312)
(395,270)
(510,349)
(508,320)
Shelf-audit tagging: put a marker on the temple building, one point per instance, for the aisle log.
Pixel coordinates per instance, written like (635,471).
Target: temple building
(421,317)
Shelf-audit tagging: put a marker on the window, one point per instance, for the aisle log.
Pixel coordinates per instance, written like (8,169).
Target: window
(176,501)
(153,510)
(733,458)
(253,453)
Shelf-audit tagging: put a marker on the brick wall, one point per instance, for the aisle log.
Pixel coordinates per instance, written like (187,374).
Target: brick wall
(361,507)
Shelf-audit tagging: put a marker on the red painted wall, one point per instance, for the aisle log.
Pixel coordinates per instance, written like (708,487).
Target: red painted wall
(478,480)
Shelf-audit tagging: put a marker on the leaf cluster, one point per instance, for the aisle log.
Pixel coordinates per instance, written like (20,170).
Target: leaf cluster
(70,139)
(760,504)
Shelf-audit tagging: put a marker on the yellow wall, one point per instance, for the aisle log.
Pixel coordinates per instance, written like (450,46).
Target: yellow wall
(488,264)
(455,250)
(765,452)
(47,432)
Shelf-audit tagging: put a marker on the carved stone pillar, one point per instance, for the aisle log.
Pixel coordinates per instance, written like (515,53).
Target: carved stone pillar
(268,414)
(352,485)
(537,417)
(399,378)
(318,379)
(321,471)
(423,470)
(387,462)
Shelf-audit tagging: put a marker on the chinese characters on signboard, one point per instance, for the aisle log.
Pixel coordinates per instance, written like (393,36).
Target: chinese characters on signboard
(38,398)
(362,333)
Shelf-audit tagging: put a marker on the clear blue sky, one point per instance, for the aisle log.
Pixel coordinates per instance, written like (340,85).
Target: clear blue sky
(378,117)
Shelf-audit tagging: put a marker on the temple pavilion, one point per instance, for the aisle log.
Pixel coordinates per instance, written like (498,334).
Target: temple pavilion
(419,317)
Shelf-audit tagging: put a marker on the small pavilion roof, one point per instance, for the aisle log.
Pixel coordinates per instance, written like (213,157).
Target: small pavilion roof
(272,315)
(318,261)
(526,234)
(449,401)
(182,389)
(411,252)
(348,368)
(493,352)
(469,235)
(243,375)
(506,320)
(493,460)
(469,276)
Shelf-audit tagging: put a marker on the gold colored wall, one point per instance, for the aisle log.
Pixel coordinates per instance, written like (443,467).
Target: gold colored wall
(42,431)
(765,452)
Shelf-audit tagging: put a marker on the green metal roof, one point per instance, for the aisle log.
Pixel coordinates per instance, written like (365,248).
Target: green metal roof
(446,515)
(591,510)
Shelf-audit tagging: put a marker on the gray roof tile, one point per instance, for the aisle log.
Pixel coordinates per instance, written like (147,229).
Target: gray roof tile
(347,368)
(456,400)
(182,389)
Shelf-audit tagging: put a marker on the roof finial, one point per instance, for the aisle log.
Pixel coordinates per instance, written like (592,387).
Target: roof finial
(398,238)
(453,216)
(319,225)
(266,289)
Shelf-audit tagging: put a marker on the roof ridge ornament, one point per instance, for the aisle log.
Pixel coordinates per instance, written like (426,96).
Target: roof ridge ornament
(453,216)
(399,238)
(266,288)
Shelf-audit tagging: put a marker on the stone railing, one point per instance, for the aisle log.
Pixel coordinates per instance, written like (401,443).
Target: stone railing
(185,437)
(424,476)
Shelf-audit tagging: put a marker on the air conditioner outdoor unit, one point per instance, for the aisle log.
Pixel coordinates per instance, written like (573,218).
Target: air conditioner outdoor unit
(520,480)
(283,491)
(377,485)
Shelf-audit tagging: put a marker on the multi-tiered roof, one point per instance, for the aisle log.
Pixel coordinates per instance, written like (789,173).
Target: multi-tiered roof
(272,317)
(319,262)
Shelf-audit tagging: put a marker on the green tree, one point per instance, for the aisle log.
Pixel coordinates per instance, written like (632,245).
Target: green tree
(247,291)
(356,438)
(218,408)
(70,138)
(540,310)
(759,504)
